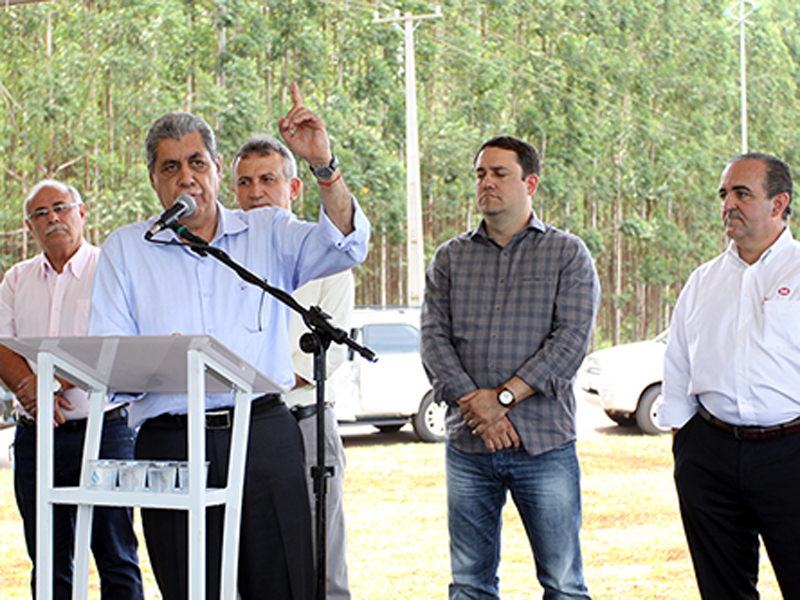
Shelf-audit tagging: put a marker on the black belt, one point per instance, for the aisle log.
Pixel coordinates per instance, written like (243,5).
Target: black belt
(303,412)
(750,432)
(218,418)
(120,412)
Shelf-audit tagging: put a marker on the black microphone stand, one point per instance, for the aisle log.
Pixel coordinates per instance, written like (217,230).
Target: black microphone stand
(316,342)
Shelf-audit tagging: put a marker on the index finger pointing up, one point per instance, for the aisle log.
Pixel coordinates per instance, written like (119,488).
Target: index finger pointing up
(297,98)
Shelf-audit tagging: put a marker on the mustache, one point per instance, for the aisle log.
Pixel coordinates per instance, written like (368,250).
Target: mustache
(56,227)
(732,214)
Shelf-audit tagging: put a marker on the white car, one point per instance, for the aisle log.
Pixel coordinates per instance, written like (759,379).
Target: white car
(394,390)
(626,382)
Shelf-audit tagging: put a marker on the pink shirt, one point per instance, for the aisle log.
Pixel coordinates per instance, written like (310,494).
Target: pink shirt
(37,301)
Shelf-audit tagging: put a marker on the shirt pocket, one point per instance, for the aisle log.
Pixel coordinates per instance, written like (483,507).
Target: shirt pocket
(782,324)
(250,308)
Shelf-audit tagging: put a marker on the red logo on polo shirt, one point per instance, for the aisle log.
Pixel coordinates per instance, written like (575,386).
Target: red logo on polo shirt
(784,291)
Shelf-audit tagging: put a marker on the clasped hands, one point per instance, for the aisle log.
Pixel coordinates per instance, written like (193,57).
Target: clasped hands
(26,393)
(487,418)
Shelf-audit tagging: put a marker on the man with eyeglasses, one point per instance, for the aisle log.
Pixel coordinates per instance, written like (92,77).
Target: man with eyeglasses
(48,295)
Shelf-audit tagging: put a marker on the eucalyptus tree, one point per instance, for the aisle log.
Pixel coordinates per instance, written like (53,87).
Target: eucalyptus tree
(632,103)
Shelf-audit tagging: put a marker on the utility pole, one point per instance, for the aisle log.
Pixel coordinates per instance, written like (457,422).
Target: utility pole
(741,21)
(415,243)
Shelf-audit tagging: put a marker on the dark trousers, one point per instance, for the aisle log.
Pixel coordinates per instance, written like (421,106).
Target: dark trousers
(113,543)
(731,491)
(275,552)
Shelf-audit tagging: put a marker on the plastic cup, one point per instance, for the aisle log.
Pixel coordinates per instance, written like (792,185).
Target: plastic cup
(132,475)
(161,476)
(103,474)
(183,476)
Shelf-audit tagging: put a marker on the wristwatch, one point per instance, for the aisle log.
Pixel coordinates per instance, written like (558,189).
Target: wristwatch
(506,397)
(326,171)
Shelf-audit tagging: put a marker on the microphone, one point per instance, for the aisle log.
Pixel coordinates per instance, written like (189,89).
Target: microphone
(185,205)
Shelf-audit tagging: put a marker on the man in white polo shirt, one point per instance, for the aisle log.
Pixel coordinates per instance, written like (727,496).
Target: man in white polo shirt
(265,174)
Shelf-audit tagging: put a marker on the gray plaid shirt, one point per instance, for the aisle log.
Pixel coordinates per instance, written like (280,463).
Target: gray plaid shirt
(491,313)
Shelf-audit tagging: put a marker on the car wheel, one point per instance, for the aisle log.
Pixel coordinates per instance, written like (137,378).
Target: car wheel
(620,417)
(389,428)
(646,411)
(429,421)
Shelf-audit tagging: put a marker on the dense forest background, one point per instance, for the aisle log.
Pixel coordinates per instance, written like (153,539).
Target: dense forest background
(633,104)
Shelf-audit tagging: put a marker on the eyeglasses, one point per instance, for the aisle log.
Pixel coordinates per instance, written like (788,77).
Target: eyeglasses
(59,210)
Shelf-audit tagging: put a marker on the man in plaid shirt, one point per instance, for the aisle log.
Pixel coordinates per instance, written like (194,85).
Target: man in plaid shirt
(508,312)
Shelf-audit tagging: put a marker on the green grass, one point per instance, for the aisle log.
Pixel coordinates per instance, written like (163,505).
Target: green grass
(633,544)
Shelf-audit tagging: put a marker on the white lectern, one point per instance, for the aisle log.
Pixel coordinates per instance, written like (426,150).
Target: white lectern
(169,364)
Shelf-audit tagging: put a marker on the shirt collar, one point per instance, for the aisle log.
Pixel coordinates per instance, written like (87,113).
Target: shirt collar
(784,240)
(229,222)
(76,265)
(533,224)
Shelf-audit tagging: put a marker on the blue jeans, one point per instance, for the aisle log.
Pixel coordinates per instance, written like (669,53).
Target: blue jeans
(546,491)
(114,544)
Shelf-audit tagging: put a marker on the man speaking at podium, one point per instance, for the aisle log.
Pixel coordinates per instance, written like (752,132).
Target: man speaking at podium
(143,288)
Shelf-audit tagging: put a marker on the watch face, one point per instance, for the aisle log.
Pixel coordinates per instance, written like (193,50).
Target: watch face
(326,171)
(505,397)
(323,173)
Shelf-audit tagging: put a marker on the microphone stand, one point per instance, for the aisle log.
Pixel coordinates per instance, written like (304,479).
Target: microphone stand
(316,342)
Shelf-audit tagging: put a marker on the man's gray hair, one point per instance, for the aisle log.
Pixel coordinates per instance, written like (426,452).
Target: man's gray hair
(51,183)
(174,126)
(264,145)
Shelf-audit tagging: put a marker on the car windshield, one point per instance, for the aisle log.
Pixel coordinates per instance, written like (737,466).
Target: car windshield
(391,338)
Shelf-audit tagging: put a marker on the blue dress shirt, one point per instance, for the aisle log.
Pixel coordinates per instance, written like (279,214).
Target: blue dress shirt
(142,288)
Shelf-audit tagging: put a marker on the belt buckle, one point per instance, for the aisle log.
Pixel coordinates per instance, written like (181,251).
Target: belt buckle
(120,412)
(215,414)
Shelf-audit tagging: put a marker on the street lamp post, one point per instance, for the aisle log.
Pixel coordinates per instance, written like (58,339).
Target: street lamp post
(741,21)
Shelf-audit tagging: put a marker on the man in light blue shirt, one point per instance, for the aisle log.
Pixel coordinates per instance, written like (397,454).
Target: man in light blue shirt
(160,289)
